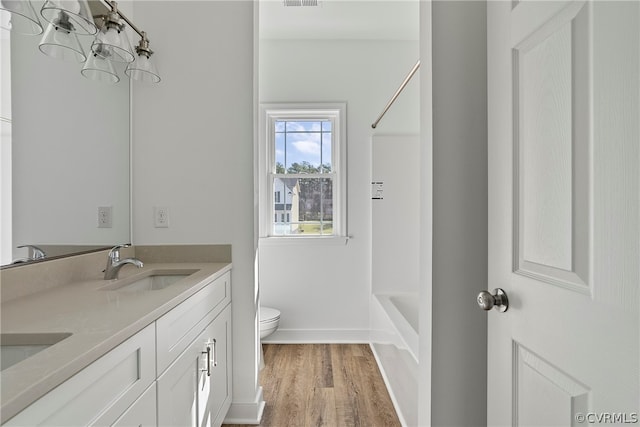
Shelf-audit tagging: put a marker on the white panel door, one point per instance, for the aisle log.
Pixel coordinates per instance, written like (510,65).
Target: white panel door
(564,212)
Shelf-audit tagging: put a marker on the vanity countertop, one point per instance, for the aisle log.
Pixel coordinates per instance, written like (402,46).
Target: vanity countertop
(98,320)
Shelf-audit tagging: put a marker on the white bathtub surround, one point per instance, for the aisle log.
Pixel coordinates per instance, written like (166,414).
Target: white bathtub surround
(395,269)
(395,213)
(394,341)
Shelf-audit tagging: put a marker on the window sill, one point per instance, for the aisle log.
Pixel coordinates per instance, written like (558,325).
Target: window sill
(304,241)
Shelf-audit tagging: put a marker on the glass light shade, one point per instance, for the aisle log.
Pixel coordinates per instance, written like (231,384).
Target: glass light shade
(19,16)
(61,44)
(97,68)
(113,45)
(78,11)
(143,69)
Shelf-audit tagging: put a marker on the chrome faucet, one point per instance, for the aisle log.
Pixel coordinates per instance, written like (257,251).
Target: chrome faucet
(114,263)
(34,252)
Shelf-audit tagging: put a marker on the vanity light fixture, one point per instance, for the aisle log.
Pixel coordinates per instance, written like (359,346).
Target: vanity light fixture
(60,42)
(69,18)
(112,42)
(20,17)
(143,68)
(98,68)
(140,67)
(78,12)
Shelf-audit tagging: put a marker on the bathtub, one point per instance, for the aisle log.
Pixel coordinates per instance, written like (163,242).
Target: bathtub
(394,341)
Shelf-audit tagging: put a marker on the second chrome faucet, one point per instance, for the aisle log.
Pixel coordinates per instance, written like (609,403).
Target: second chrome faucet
(114,263)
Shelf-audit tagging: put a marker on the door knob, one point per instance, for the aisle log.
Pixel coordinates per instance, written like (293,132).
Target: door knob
(498,300)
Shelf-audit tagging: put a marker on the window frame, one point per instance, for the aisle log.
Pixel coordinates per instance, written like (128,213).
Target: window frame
(269,114)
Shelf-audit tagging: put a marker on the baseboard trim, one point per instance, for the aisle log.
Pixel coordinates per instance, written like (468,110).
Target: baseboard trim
(318,336)
(246,412)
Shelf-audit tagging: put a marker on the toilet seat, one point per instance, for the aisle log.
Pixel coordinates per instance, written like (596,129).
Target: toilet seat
(269,315)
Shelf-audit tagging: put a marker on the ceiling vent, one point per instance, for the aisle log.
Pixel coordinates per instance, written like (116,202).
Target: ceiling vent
(301,2)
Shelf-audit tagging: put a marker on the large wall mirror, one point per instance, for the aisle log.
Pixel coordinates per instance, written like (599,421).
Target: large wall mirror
(66,140)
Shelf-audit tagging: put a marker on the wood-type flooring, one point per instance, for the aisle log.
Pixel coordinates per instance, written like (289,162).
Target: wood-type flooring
(333,385)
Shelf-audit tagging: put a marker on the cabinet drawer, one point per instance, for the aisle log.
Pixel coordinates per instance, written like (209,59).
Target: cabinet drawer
(179,327)
(101,391)
(142,413)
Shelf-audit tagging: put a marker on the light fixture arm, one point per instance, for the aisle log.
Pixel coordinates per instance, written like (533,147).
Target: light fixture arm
(114,8)
(143,46)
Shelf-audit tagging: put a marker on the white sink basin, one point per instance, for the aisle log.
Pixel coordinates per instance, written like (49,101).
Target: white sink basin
(15,348)
(151,282)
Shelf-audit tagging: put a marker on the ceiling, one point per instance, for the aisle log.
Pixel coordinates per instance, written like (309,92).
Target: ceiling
(341,20)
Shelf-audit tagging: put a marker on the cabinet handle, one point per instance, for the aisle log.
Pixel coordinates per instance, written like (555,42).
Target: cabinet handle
(208,353)
(215,353)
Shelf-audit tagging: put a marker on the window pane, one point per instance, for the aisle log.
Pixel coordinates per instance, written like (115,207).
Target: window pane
(306,206)
(313,212)
(303,126)
(285,204)
(327,206)
(302,146)
(280,153)
(327,165)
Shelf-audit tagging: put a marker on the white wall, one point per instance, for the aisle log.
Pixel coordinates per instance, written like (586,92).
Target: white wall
(193,152)
(457,369)
(323,291)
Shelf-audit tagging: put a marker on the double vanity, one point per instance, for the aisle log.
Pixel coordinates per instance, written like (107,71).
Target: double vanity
(151,347)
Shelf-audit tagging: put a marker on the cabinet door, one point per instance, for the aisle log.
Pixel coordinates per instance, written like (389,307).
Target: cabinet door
(220,397)
(196,389)
(183,388)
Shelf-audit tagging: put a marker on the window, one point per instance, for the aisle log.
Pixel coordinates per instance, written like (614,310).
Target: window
(302,158)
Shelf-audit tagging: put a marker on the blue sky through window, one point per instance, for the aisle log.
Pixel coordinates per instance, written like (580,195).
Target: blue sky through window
(298,141)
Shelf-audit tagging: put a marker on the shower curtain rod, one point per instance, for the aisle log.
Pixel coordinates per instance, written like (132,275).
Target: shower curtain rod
(395,95)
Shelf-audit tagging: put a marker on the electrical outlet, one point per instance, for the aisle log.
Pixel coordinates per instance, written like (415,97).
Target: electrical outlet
(161,216)
(105,217)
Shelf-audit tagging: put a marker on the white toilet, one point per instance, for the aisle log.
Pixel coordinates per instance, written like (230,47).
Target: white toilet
(269,320)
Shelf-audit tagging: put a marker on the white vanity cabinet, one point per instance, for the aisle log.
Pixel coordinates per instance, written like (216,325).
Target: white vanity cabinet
(176,371)
(195,389)
(102,391)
